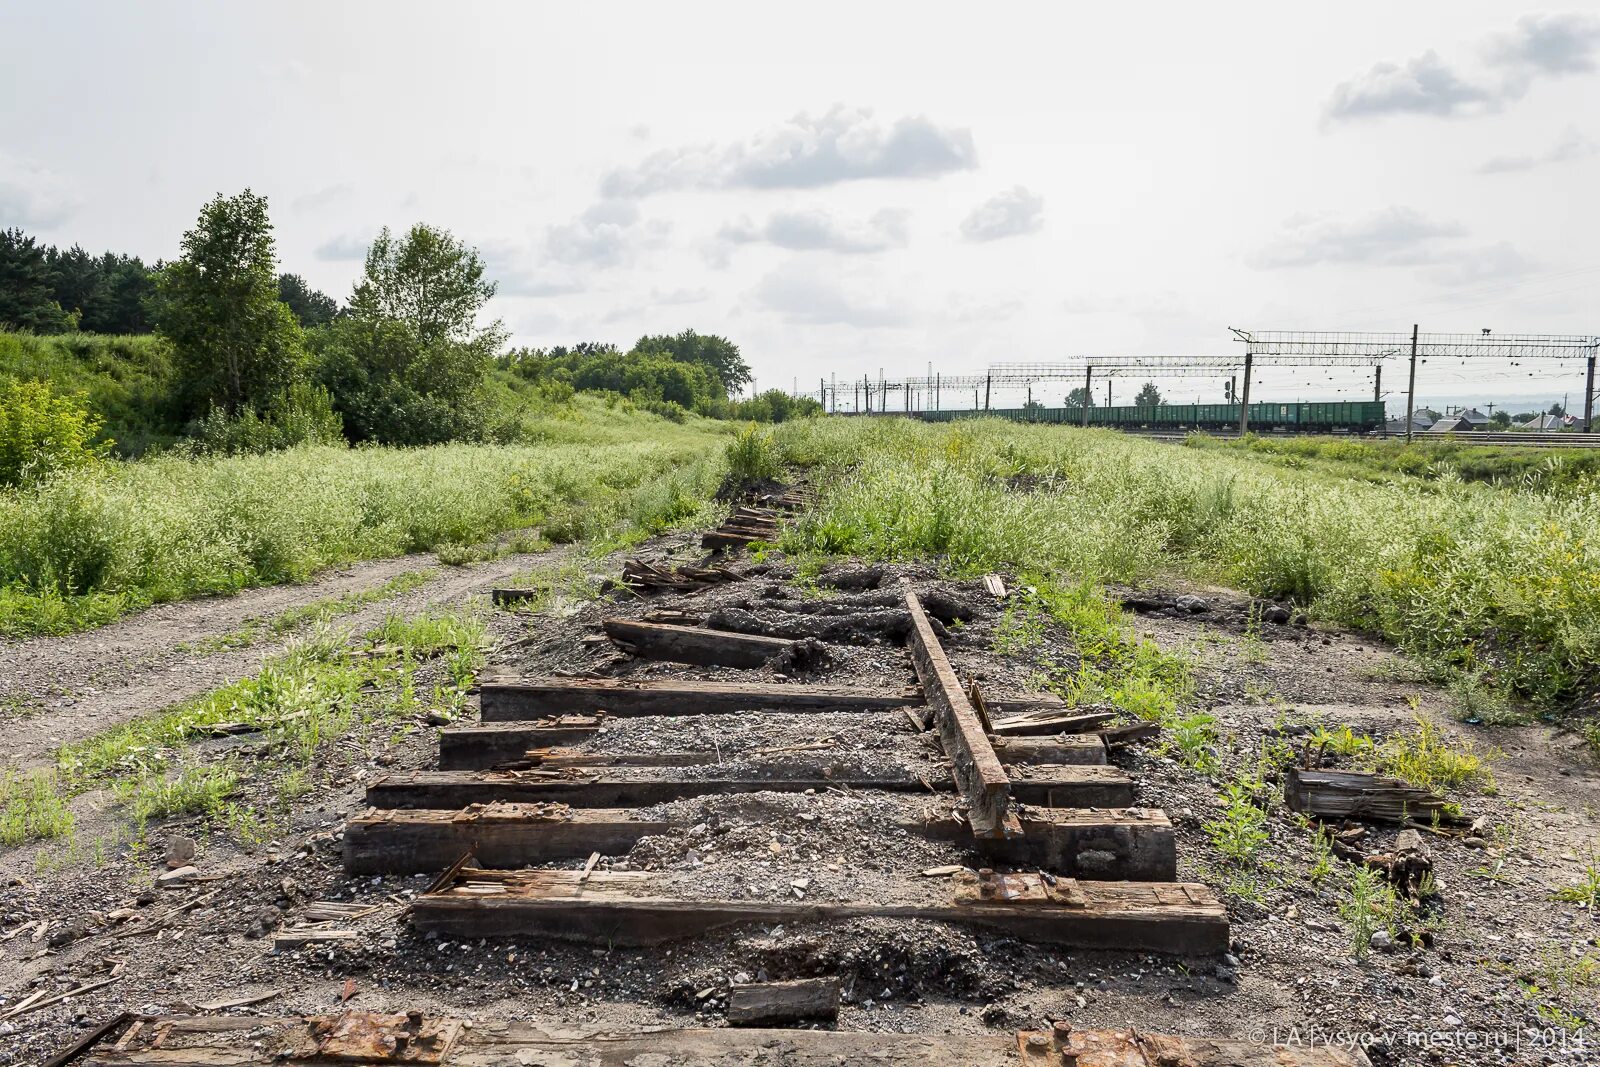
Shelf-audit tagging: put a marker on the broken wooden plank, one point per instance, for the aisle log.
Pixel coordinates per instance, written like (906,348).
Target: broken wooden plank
(493,743)
(995,586)
(1123,735)
(1068,748)
(691,644)
(497,834)
(260,1041)
(978,774)
(632,908)
(1053,786)
(1041,722)
(779,1003)
(1134,843)
(1335,794)
(299,938)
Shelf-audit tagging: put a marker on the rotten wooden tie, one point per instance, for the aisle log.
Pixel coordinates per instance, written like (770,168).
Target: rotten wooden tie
(1056,786)
(1133,843)
(633,908)
(693,644)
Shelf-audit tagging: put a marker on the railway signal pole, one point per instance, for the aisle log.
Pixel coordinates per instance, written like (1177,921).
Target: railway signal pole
(1088,394)
(1411,389)
(1244,396)
(1588,398)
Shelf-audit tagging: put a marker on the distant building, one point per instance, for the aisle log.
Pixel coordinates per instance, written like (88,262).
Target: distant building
(1546,423)
(1427,413)
(1452,424)
(1397,426)
(1478,419)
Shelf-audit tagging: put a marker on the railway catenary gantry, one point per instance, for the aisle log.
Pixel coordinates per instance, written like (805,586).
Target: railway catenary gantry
(1325,346)
(873,395)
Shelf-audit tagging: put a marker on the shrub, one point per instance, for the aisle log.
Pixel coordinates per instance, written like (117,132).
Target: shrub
(303,414)
(42,432)
(752,456)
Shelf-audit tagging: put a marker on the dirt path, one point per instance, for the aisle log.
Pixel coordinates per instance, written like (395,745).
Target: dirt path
(57,690)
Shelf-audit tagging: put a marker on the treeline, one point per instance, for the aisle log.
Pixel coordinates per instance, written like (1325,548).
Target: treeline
(48,290)
(249,359)
(671,375)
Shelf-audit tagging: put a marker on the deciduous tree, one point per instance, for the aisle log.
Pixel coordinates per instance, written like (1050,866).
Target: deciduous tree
(238,346)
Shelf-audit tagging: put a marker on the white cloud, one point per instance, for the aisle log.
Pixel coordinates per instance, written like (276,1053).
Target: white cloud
(32,196)
(1571,147)
(1475,266)
(1548,44)
(1011,213)
(345,246)
(815,230)
(1396,236)
(803,294)
(1423,85)
(1538,46)
(675,297)
(608,234)
(845,144)
(327,196)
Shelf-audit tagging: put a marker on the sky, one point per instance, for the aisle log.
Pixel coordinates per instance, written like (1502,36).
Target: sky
(844,189)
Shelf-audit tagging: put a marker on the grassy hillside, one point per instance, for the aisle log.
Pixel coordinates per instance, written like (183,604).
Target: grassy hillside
(127,380)
(1485,582)
(95,543)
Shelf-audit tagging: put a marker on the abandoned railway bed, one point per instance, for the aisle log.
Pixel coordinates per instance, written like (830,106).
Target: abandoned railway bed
(940,807)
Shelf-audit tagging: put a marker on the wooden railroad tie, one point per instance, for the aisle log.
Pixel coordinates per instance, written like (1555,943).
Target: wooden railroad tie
(632,908)
(693,644)
(440,1041)
(1133,843)
(507,698)
(1055,786)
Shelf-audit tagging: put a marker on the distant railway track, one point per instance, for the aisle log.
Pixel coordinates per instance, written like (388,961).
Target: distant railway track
(1506,438)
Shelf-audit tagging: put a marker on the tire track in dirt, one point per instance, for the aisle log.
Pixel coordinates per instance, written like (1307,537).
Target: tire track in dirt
(58,690)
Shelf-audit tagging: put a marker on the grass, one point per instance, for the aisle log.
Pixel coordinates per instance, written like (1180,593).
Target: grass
(96,543)
(1111,666)
(1587,891)
(1503,580)
(553,586)
(321,688)
(31,807)
(1238,835)
(752,455)
(1563,471)
(314,613)
(1425,759)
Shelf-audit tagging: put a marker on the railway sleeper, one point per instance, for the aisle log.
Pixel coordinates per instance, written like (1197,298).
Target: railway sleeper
(1132,844)
(646,907)
(1055,786)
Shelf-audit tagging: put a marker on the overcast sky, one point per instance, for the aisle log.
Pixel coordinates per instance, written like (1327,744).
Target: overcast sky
(844,187)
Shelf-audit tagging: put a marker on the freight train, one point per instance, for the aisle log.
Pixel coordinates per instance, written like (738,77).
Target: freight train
(1341,416)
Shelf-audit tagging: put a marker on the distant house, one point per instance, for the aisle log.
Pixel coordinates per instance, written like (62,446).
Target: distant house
(1452,424)
(1427,413)
(1397,426)
(1479,420)
(1546,423)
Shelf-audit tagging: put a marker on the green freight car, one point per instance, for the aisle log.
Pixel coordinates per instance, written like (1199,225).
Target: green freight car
(1338,416)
